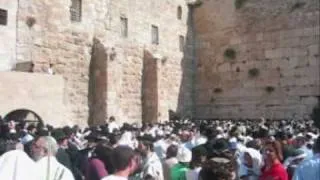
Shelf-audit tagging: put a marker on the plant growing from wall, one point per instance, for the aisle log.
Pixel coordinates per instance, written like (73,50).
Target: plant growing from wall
(254,72)
(30,21)
(297,5)
(230,53)
(239,3)
(217,90)
(269,89)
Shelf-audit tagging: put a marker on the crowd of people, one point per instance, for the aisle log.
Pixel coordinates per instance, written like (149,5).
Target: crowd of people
(174,150)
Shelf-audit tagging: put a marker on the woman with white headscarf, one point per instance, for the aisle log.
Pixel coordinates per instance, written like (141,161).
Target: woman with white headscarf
(16,165)
(252,161)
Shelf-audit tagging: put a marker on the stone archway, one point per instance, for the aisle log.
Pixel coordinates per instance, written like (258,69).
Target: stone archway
(23,115)
(97,90)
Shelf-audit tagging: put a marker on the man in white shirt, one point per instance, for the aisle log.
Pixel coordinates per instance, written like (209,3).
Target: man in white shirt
(112,125)
(44,150)
(125,163)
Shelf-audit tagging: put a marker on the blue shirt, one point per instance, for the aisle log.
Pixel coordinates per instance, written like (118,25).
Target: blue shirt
(308,169)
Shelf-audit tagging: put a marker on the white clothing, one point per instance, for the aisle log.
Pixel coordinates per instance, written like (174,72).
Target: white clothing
(49,166)
(113,126)
(114,177)
(193,174)
(160,147)
(127,140)
(153,167)
(16,165)
(257,163)
(50,71)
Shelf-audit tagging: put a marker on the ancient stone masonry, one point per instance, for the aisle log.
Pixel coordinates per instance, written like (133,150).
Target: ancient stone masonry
(275,71)
(138,59)
(103,70)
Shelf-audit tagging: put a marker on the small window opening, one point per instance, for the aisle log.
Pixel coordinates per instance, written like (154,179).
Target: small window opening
(181,43)
(154,34)
(124,26)
(3,17)
(179,13)
(75,10)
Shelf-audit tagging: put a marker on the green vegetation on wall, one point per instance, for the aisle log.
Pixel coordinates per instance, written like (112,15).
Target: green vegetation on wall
(239,3)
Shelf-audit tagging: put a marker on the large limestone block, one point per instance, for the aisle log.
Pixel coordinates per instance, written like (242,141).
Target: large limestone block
(41,93)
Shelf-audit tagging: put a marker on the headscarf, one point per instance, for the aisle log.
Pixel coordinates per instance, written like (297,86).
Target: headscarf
(16,165)
(257,162)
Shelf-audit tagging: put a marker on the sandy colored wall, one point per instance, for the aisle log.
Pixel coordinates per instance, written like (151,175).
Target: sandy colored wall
(40,93)
(279,38)
(68,46)
(8,35)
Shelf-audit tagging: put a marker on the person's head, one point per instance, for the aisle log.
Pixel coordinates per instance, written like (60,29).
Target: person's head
(112,119)
(60,137)
(316,146)
(124,159)
(300,141)
(252,159)
(199,156)
(272,151)
(218,168)
(172,151)
(145,147)
(44,146)
(32,129)
(103,152)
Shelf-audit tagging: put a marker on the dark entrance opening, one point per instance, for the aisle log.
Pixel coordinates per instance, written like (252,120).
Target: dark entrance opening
(23,115)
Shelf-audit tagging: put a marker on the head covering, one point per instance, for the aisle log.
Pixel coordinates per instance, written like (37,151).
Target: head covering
(257,161)
(27,138)
(294,154)
(184,155)
(58,134)
(17,165)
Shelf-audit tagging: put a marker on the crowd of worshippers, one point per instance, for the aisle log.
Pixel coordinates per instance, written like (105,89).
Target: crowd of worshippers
(174,150)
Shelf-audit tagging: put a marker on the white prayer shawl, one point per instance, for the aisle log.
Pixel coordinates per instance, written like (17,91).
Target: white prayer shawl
(49,168)
(16,165)
(127,140)
(153,167)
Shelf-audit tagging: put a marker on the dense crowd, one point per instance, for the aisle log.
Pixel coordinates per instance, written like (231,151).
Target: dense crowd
(175,150)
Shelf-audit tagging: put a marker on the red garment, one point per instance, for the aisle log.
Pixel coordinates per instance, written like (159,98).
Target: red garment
(276,172)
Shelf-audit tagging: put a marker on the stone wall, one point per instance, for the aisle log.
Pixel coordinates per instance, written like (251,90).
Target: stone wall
(279,38)
(54,39)
(8,35)
(23,92)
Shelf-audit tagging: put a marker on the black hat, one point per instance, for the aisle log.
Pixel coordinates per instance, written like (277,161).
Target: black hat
(58,134)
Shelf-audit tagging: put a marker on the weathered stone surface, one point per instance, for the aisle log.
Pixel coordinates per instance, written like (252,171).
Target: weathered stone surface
(266,35)
(8,36)
(43,94)
(54,39)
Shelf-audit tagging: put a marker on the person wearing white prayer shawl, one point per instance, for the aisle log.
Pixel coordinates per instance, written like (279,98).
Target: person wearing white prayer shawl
(44,150)
(16,165)
(252,162)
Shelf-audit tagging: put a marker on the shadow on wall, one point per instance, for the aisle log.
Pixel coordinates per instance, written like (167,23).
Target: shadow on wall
(149,89)
(97,87)
(185,108)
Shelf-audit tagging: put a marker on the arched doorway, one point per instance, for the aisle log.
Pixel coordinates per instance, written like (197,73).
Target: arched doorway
(23,115)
